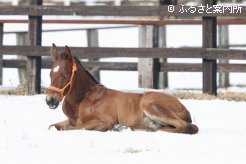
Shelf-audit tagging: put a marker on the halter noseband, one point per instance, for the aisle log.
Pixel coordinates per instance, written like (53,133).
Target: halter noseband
(70,82)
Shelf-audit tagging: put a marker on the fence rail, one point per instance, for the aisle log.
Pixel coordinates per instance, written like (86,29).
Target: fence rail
(131,22)
(125,66)
(95,52)
(146,11)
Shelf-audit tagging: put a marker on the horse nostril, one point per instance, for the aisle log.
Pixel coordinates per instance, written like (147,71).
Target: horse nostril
(52,102)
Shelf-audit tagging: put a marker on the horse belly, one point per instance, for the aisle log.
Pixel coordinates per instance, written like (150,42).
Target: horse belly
(129,113)
(130,120)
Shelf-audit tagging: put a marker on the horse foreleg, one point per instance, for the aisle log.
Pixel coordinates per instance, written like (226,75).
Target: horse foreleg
(93,124)
(64,125)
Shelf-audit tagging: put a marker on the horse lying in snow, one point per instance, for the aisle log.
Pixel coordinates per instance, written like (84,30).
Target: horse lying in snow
(91,106)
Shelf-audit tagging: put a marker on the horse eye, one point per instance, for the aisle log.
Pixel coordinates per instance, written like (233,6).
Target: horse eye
(64,76)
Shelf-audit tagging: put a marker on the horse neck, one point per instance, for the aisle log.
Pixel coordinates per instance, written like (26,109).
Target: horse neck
(82,84)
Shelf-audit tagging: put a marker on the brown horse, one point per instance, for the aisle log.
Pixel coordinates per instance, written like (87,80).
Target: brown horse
(91,106)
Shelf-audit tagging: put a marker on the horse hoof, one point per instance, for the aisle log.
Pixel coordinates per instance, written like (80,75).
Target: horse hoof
(120,128)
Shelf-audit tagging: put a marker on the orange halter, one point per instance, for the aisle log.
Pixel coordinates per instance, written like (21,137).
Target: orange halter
(70,82)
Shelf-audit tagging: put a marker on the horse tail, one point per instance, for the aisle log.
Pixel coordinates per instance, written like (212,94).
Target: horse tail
(191,128)
(188,118)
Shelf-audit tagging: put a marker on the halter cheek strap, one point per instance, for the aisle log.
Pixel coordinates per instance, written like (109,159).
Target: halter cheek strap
(69,84)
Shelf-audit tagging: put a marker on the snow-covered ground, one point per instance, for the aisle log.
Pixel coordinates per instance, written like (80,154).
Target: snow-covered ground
(25,137)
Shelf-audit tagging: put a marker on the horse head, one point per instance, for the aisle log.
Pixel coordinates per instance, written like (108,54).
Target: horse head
(61,76)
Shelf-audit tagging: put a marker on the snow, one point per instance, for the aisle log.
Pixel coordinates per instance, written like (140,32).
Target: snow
(25,137)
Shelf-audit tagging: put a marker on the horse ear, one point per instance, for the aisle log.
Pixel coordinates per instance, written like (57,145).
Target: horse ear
(67,53)
(54,52)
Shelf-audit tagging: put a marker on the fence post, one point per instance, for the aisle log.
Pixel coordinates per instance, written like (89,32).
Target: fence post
(209,67)
(223,43)
(92,41)
(163,79)
(1,55)
(163,76)
(22,40)
(148,68)
(34,63)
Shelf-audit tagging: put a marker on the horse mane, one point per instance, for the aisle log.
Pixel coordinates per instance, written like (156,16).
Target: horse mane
(86,71)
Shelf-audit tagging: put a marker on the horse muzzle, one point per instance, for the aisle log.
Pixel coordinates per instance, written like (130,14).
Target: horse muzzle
(52,102)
